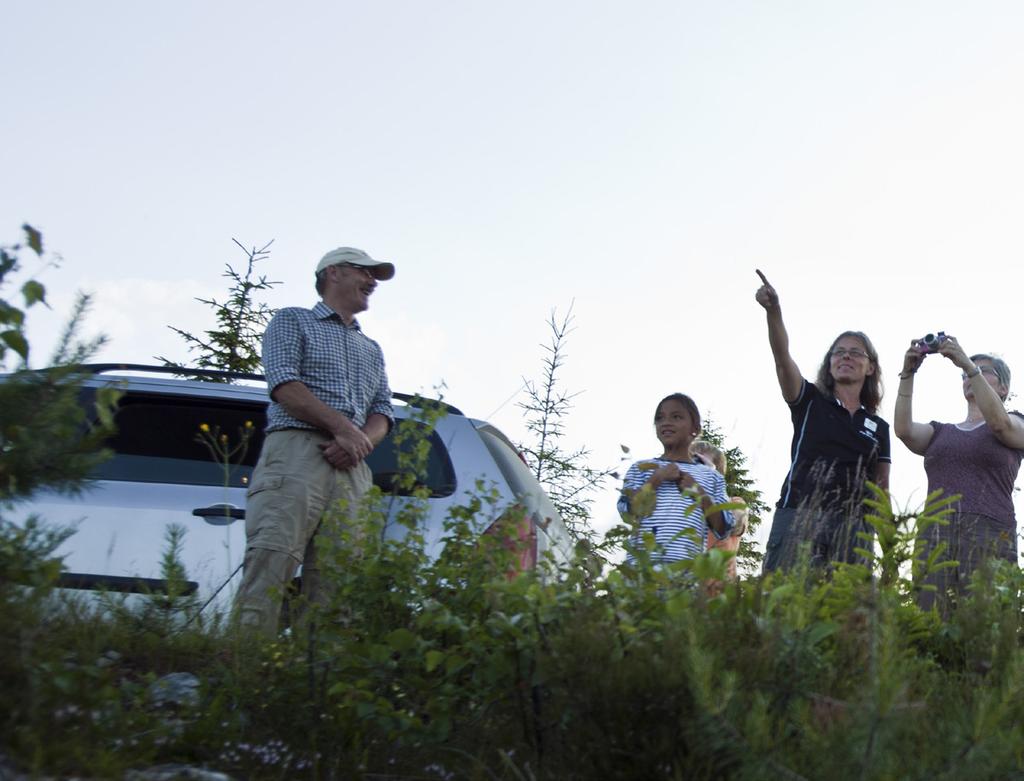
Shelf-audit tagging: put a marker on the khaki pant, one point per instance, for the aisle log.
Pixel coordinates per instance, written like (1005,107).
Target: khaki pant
(292,486)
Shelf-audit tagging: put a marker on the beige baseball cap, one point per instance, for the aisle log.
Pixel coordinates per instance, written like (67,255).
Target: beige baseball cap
(380,269)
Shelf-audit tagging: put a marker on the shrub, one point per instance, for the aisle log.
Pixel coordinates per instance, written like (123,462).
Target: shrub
(449,668)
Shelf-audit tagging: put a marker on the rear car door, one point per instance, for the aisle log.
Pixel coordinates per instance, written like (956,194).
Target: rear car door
(178,459)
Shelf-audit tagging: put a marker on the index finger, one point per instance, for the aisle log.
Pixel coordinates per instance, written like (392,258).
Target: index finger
(764,279)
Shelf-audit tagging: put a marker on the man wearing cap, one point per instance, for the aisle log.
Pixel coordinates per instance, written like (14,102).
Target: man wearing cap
(330,406)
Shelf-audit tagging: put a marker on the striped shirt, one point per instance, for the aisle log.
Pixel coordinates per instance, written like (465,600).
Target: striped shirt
(339,364)
(672,514)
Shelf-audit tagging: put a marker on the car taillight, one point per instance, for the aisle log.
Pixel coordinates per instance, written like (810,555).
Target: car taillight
(517,533)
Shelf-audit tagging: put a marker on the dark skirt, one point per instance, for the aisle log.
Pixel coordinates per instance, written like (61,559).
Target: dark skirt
(826,537)
(970,540)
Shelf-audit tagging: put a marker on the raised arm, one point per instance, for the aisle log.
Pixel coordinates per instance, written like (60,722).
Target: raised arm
(916,436)
(785,367)
(1008,429)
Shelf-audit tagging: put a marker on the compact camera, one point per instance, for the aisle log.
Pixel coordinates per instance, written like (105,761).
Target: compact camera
(929,343)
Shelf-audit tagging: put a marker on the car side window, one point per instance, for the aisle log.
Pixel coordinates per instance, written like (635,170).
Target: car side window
(438,475)
(160,440)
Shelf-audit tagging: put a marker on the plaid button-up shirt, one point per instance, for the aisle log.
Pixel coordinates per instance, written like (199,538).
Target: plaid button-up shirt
(339,364)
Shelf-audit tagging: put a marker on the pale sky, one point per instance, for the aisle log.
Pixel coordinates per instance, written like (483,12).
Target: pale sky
(640,159)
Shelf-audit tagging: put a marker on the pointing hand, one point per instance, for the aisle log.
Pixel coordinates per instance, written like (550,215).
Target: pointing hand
(766,295)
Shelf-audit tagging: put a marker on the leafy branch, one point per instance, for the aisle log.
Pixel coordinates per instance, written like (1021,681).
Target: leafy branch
(564,473)
(234,345)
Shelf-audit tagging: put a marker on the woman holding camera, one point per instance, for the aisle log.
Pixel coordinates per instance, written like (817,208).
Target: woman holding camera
(839,443)
(977,458)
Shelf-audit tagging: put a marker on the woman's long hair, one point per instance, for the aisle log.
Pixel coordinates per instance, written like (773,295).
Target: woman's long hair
(872,390)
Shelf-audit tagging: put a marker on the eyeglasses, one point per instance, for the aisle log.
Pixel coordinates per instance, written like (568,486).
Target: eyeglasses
(841,352)
(984,370)
(362,269)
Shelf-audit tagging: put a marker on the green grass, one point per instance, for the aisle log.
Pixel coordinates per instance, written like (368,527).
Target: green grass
(450,669)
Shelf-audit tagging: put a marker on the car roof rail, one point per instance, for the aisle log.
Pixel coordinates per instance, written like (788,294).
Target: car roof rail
(413,400)
(101,368)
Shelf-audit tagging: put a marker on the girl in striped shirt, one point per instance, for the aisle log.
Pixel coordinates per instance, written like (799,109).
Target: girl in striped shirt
(672,496)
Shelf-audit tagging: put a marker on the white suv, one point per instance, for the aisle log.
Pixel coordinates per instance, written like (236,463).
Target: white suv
(161,474)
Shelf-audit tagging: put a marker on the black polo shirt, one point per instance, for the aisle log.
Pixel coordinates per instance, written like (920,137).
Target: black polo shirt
(833,452)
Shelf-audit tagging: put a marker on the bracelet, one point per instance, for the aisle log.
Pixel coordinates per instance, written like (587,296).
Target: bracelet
(977,371)
(906,374)
(905,395)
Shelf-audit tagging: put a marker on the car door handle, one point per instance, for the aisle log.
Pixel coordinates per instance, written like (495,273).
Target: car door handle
(220,514)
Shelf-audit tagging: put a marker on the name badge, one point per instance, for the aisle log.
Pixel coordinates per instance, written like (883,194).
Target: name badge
(870,425)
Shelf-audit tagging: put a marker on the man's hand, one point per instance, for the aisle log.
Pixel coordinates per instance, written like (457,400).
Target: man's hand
(766,295)
(347,448)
